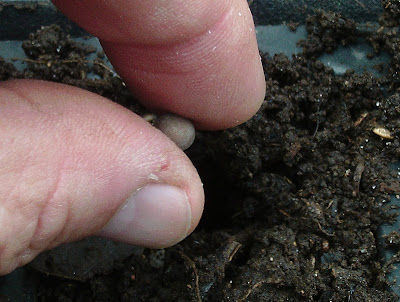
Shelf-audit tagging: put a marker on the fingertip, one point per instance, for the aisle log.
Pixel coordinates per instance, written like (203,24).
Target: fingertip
(72,159)
(198,59)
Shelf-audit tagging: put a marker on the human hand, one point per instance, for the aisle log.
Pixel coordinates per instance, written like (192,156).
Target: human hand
(74,164)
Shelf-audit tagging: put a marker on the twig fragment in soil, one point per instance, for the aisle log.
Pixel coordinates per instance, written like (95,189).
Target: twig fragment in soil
(318,121)
(360,119)
(251,290)
(193,266)
(48,63)
(357,177)
(325,232)
(230,250)
(360,3)
(284,213)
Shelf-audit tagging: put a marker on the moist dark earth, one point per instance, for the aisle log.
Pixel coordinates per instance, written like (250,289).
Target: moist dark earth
(294,197)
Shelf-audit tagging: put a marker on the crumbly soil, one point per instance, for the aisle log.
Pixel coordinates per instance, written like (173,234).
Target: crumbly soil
(294,197)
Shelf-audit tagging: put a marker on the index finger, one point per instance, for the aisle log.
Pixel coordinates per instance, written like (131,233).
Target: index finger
(198,59)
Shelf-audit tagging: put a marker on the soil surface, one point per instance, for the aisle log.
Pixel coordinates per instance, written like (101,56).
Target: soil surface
(294,197)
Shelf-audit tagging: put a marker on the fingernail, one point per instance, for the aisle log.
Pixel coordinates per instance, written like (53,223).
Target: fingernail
(156,215)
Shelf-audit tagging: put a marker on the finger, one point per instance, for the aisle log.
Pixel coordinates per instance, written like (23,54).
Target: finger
(198,59)
(74,164)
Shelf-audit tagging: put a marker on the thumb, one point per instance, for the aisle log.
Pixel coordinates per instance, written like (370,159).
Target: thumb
(73,164)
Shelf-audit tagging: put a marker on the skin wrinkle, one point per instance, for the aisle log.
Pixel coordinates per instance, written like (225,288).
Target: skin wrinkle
(37,239)
(62,232)
(24,168)
(13,250)
(60,238)
(22,97)
(47,200)
(28,233)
